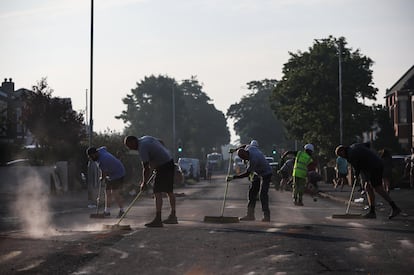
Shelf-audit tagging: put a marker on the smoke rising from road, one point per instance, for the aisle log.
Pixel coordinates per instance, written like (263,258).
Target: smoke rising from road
(32,206)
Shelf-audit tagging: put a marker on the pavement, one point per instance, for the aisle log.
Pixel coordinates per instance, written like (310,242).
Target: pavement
(403,197)
(77,201)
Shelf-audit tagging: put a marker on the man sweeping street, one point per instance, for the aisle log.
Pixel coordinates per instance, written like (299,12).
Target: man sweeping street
(113,171)
(259,169)
(155,156)
(366,161)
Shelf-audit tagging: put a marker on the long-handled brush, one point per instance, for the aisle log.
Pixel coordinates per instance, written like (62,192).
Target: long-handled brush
(348,215)
(222,219)
(98,215)
(117,225)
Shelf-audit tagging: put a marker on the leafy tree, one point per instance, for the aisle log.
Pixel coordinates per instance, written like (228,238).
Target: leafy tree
(149,111)
(254,118)
(307,100)
(206,126)
(57,128)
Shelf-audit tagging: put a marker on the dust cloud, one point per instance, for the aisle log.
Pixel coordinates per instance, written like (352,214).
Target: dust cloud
(32,206)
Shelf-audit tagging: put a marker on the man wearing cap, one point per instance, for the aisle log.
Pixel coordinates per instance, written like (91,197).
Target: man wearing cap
(154,155)
(300,171)
(114,172)
(258,170)
(366,161)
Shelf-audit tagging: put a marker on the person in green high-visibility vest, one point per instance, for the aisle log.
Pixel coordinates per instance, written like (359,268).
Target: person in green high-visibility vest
(300,171)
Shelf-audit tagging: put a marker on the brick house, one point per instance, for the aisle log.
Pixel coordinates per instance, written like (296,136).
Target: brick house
(399,100)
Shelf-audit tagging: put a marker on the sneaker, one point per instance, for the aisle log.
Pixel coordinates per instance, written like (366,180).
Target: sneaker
(266,219)
(171,220)
(300,203)
(248,218)
(394,212)
(370,215)
(154,223)
(107,214)
(121,212)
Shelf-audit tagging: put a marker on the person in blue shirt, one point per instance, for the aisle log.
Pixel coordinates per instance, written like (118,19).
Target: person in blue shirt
(342,172)
(155,156)
(113,171)
(260,171)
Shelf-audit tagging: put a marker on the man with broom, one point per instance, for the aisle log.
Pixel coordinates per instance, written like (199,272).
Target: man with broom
(154,155)
(260,170)
(364,160)
(114,172)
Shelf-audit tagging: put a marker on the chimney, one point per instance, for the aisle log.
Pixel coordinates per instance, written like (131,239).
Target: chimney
(7,86)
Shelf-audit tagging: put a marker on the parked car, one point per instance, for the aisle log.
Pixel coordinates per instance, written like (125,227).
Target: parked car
(274,164)
(215,161)
(190,168)
(19,162)
(238,165)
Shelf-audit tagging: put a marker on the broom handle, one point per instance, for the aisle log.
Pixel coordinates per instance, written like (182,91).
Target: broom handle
(350,197)
(133,202)
(227,185)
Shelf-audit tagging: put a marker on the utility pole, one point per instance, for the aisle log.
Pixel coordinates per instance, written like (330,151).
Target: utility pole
(173,119)
(340,92)
(91,82)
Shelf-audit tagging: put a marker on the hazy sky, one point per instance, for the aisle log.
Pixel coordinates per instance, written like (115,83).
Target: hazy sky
(224,43)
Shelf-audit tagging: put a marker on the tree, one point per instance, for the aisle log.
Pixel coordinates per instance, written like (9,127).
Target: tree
(198,124)
(254,118)
(206,126)
(56,127)
(307,100)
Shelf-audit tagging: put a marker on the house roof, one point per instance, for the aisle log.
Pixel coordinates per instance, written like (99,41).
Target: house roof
(401,83)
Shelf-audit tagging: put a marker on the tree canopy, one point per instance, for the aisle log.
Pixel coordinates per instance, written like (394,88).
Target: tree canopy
(199,126)
(307,97)
(254,118)
(57,128)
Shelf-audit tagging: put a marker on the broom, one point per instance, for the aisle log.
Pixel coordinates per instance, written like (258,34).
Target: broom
(117,225)
(222,219)
(348,215)
(98,215)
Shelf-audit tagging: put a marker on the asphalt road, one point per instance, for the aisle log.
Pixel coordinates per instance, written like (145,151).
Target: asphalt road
(298,240)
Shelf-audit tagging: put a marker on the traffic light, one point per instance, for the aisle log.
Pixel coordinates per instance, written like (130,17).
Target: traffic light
(180,148)
(274,151)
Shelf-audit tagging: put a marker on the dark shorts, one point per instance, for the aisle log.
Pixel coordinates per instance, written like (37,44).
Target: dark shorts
(115,184)
(342,175)
(164,179)
(376,177)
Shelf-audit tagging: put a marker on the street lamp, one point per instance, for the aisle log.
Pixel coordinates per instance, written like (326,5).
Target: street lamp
(91,82)
(173,120)
(340,92)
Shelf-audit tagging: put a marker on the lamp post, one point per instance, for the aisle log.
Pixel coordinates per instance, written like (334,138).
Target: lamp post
(173,120)
(340,92)
(91,82)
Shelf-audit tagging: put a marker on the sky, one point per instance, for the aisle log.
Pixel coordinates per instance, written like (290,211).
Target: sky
(224,43)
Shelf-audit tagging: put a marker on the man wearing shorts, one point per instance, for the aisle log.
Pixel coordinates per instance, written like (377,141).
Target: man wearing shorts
(155,156)
(365,160)
(114,172)
(342,172)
